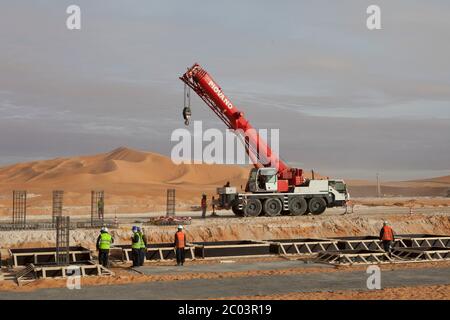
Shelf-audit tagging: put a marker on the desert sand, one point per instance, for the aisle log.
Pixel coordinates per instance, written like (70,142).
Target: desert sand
(136,181)
(135,184)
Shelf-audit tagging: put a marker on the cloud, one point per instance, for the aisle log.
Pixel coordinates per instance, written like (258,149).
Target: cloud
(345,98)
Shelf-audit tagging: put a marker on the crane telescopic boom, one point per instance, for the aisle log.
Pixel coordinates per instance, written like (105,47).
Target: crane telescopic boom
(259,152)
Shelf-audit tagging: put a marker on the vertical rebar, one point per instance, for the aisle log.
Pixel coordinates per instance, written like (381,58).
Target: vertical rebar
(19,208)
(57,207)
(170,205)
(97,207)
(62,240)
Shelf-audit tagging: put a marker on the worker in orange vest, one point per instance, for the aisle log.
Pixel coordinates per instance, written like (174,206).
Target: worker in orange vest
(387,237)
(180,244)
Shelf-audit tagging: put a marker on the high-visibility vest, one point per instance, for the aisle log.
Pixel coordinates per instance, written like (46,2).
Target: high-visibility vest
(137,245)
(180,239)
(142,240)
(105,241)
(388,234)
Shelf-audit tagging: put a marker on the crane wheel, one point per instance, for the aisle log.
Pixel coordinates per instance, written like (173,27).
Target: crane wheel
(298,206)
(272,207)
(252,208)
(237,211)
(317,206)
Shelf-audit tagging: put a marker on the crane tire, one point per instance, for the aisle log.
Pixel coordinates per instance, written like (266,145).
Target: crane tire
(317,205)
(238,212)
(253,208)
(298,206)
(272,207)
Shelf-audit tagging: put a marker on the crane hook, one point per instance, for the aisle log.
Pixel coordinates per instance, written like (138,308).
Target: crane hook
(187,104)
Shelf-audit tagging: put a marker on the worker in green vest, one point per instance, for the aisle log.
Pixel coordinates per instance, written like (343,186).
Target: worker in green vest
(104,242)
(143,249)
(136,246)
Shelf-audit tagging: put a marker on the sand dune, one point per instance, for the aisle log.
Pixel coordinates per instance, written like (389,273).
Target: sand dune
(138,181)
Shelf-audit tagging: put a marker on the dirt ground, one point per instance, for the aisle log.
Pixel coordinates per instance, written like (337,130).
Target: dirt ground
(367,221)
(232,228)
(441,292)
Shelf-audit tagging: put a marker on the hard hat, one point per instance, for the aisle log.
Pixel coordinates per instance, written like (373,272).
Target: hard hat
(385,222)
(134,228)
(180,226)
(104,229)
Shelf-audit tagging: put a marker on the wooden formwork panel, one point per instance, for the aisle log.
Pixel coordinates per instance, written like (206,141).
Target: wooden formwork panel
(231,249)
(155,252)
(38,256)
(87,269)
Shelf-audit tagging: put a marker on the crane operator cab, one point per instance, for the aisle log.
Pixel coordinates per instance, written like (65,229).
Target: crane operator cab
(263,180)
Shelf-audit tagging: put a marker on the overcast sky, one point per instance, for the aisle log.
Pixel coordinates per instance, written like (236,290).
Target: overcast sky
(348,101)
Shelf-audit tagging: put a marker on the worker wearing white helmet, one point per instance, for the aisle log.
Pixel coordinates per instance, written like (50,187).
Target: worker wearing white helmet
(180,244)
(104,242)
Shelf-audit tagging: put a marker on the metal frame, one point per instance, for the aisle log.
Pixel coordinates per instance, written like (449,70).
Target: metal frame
(57,204)
(51,226)
(351,257)
(62,240)
(364,243)
(170,205)
(302,246)
(424,240)
(423,253)
(19,211)
(96,216)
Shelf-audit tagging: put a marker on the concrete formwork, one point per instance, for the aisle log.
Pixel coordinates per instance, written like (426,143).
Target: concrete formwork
(423,253)
(424,240)
(155,252)
(348,257)
(301,246)
(40,256)
(238,248)
(88,268)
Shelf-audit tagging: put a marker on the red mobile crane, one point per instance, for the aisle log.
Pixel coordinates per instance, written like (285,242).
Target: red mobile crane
(273,187)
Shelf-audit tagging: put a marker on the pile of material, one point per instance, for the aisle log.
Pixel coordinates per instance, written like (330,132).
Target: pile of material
(167,221)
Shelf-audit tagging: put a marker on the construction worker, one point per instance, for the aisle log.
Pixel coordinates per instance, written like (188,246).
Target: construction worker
(136,245)
(104,242)
(180,244)
(143,249)
(100,206)
(203,206)
(387,237)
